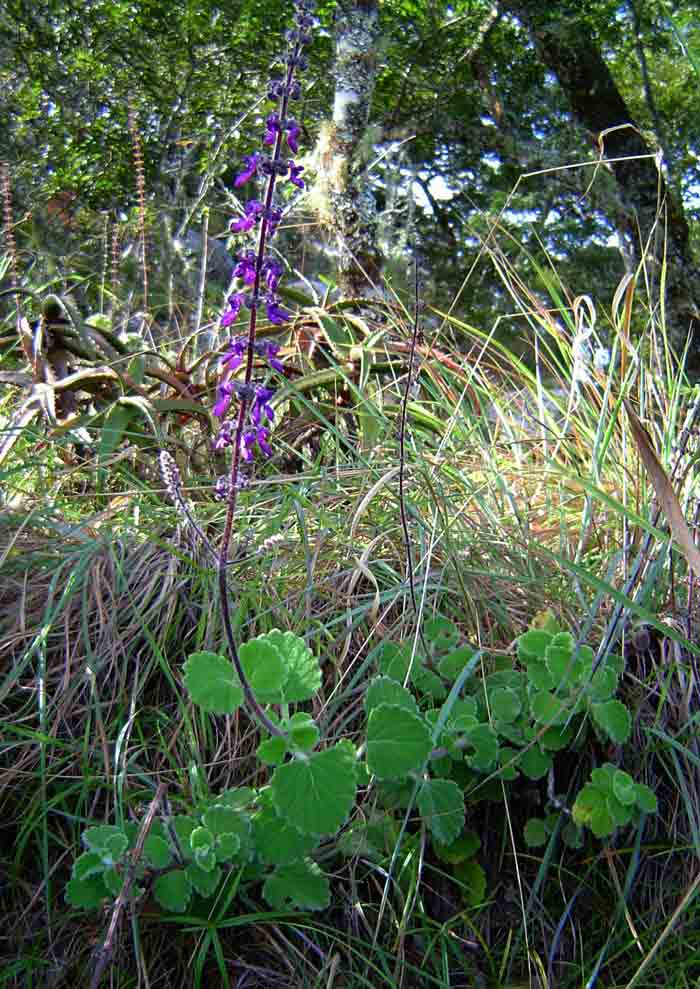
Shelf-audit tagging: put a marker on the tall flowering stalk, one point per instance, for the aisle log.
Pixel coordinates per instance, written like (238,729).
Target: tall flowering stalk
(248,430)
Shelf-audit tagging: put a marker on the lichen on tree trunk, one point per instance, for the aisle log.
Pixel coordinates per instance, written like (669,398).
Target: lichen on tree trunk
(344,150)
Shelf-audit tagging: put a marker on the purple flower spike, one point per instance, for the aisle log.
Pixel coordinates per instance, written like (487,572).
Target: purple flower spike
(272,128)
(251,168)
(252,437)
(294,173)
(252,209)
(245,268)
(224,393)
(233,358)
(272,270)
(269,350)
(261,405)
(275,313)
(234,307)
(293,131)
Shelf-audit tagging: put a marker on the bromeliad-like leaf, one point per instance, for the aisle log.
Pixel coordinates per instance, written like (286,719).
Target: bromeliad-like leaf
(315,793)
(398,741)
(441,804)
(212,683)
(301,885)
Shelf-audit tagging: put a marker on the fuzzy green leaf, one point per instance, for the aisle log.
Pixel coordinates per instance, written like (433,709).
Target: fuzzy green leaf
(441,633)
(303,732)
(398,741)
(212,683)
(646,798)
(265,668)
(303,671)
(473,882)
(156,852)
(272,751)
(385,690)
(614,719)
(173,891)
(441,804)
(484,744)
(549,709)
(86,894)
(301,885)
(534,763)
(205,883)
(451,665)
(183,826)
(624,787)
(277,842)
(107,839)
(227,847)
(393,661)
(539,676)
(532,645)
(88,864)
(505,705)
(462,848)
(316,793)
(535,832)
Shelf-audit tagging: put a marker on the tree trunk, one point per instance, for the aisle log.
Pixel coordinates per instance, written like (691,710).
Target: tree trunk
(566,48)
(344,151)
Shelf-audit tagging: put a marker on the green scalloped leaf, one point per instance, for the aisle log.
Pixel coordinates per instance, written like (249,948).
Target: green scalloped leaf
(183,826)
(441,633)
(212,683)
(315,793)
(221,819)
(645,798)
(277,842)
(300,885)
(602,685)
(393,661)
(86,894)
(451,666)
(462,848)
(549,709)
(539,676)
(108,840)
(624,788)
(398,741)
(156,852)
(265,669)
(303,671)
(204,883)
(441,805)
(484,741)
(505,705)
(227,847)
(272,751)
(535,833)
(88,864)
(532,645)
(614,719)
(386,690)
(534,763)
(173,891)
(473,882)
(303,732)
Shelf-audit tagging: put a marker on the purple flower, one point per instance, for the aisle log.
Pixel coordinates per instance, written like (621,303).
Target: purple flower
(261,405)
(294,173)
(268,350)
(260,436)
(252,211)
(293,131)
(251,168)
(272,270)
(275,313)
(245,268)
(233,358)
(272,128)
(234,307)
